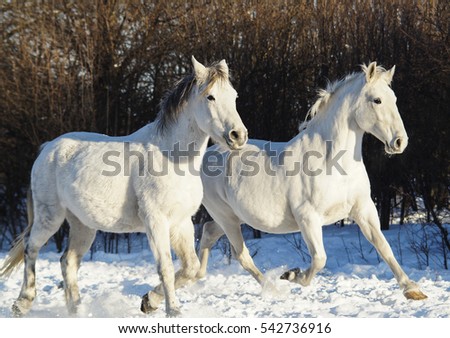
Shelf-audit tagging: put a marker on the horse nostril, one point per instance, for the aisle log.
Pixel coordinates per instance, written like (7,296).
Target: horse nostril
(234,135)
(237,138)
(398,143)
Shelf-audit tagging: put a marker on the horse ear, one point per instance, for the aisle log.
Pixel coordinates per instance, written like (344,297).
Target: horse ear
(199,69)
(371,71)
(224,66)
(390,74)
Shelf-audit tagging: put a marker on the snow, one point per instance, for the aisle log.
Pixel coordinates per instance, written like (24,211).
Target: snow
(354,283)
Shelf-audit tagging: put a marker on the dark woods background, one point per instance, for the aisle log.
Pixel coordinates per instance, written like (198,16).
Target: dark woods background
(103,66)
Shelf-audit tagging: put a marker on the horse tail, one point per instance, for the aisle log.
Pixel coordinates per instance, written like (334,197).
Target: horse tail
(16,255)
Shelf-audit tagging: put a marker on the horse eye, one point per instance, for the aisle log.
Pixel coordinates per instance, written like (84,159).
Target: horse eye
(211,98)
(377,101)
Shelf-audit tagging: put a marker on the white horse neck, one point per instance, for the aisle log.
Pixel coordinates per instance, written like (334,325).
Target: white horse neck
(336,123)
(185,132)
(183,135)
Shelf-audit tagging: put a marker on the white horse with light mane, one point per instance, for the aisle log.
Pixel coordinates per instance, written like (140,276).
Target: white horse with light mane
(79,177)
(317,178)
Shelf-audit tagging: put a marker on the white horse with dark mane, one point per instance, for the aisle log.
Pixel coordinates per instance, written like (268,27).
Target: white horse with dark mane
(316,178)
(146,182)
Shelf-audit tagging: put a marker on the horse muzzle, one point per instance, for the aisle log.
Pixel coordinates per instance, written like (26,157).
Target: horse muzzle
(397,145)
(236,138)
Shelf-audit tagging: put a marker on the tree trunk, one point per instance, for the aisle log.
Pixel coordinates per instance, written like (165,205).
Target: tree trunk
(385,209)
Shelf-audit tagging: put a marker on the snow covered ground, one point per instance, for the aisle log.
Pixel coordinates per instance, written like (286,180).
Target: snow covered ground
(355,283)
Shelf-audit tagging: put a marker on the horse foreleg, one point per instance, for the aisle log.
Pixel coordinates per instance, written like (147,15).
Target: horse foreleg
(234,235)
(182,241)
(311,230)
(158,233)
(80,240)
(367,218)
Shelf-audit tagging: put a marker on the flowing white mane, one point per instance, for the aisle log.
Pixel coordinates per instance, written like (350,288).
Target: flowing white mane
(324,95)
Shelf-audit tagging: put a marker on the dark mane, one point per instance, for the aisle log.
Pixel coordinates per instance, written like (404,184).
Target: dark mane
(173,101)
(216,72)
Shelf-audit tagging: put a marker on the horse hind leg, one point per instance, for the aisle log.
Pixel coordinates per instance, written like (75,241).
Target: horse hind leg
(80,240)
(311,230)
(211,233)
(47,220)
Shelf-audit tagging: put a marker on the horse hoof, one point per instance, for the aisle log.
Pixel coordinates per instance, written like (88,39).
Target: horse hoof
(146,307)
(16,311)
(291,274)
(72,308)
(415,294)
(21,307)
(173,313)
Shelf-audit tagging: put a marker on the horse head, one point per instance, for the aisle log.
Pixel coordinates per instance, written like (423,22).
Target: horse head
(377,111)
(216,112)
